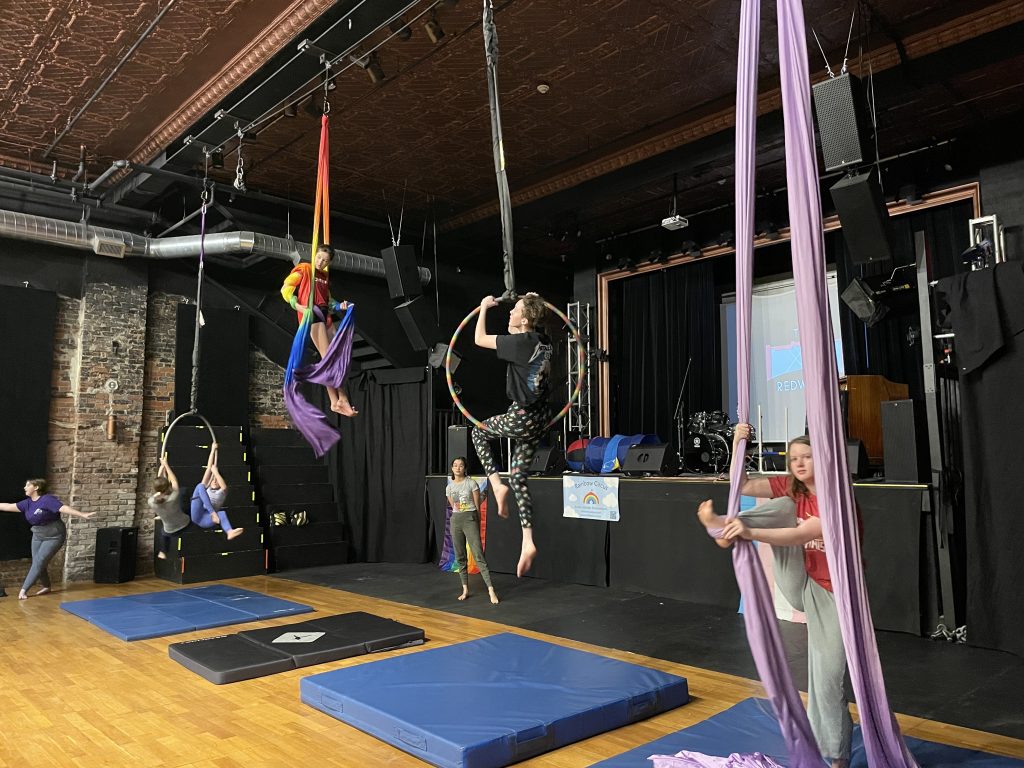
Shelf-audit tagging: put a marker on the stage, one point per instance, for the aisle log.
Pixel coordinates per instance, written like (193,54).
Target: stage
(659,548)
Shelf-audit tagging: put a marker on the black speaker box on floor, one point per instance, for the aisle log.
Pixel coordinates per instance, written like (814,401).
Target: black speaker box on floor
(657,459)
(459,444)
(114,561)
(867,230)
(842,121)
(548,460)
(857,459)
(904,442)
(400,268)
(418,322)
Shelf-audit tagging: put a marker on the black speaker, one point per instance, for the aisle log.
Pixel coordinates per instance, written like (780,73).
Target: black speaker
(864,217)
(860,298)
(459,444)
(857,459)
(417,319)
(548,460)
(115,555)
(843,123)
(400,268)
(903,441)
(656,459)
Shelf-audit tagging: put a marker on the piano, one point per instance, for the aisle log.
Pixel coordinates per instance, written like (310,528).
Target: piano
(863,398)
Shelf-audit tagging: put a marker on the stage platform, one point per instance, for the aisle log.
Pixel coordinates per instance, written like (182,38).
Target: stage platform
(658,547)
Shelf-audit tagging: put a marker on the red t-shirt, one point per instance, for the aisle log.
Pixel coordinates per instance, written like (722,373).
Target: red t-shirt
(806,507)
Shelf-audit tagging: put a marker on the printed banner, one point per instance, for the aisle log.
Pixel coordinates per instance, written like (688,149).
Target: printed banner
(592,498)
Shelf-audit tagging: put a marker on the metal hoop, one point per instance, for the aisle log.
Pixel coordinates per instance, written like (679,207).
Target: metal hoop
(581,367)
(167,434)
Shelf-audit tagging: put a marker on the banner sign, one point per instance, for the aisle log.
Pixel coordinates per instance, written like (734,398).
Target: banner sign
(591,498)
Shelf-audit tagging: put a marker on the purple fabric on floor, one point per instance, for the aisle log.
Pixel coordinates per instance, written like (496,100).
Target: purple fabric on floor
(882,740)
(687,759)
(331,372)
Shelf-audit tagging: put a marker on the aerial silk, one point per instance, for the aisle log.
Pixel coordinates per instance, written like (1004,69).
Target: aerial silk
(883,744)
(310,421)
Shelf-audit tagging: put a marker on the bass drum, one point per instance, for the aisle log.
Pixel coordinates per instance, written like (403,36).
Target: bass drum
(707,452)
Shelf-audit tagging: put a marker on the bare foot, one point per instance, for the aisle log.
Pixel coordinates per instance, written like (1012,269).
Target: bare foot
(344,408)
(711,521)
(215,518)
(501,492)
(234,533)
(22,595)
(162,555)
(465,593)
(42,591)
(494,597)
(526,559)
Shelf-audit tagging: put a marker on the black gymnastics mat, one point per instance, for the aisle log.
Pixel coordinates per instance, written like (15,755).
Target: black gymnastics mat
(259,652)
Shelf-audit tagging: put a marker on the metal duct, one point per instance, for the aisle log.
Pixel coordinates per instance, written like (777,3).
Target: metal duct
(118,243)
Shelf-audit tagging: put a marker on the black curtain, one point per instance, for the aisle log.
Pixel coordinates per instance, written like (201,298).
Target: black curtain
(658,321)
(379,466)
(223,387)
(28,318)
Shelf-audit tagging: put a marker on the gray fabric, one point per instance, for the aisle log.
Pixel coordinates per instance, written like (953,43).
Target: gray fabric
(462,492)
(169,512)
(217,496)
(827,708)
(46,541)
(465,527)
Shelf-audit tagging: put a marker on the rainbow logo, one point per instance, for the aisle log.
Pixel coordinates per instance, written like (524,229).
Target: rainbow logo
(591,498)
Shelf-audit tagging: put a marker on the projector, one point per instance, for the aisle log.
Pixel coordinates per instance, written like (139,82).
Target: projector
(675,222)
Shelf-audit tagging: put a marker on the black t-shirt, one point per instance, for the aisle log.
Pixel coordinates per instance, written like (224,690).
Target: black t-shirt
(529,365)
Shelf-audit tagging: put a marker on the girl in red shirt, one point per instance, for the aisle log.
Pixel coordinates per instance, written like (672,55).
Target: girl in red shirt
(789,523)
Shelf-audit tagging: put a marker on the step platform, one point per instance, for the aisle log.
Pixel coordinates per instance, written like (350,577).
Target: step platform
(230,455)
(259,652)
(190,569)
(190,475)
(750,726)
(275,474)
(277,437)
(296,494)
(492,702)
(295,556)
(155,614)
(285,455)
(210,541)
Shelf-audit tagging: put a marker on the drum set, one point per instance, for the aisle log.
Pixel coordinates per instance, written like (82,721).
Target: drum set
(708,442)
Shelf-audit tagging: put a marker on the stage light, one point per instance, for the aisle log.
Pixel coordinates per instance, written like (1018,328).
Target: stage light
(290,111)
(657,256)
(374,70)
(217,158)
(433,29)
(909,193)
(726,238)
(627,263)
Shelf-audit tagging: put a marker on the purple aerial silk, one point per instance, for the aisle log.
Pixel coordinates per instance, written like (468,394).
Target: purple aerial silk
(686,759)
(882,739)
(331,372)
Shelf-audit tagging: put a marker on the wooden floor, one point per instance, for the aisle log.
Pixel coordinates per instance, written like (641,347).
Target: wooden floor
(71,694)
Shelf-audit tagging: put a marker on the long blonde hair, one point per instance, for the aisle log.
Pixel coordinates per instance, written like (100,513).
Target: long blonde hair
(798,487)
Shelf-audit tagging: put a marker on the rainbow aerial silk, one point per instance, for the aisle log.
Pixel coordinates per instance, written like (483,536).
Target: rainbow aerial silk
(447,562)
(882,740)
(310,421)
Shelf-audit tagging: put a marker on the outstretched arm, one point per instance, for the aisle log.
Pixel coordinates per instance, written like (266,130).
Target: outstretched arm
(9,508)
(66,510)
(481,337)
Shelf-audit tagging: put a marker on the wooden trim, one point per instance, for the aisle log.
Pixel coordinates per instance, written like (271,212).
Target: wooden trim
(971,191)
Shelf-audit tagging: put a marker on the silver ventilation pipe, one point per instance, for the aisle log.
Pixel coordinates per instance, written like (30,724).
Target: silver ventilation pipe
(252,246)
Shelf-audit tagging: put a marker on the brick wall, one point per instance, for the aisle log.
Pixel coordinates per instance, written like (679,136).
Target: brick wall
(266,396)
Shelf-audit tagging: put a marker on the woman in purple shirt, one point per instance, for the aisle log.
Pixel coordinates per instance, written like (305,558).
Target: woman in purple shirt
(42,511)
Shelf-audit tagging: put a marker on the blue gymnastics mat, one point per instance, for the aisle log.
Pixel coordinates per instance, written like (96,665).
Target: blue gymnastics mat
(491,702)
(154,614)
(750,727)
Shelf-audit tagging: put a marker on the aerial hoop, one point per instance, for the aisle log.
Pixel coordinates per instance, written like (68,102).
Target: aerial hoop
(581,367)
(196,414)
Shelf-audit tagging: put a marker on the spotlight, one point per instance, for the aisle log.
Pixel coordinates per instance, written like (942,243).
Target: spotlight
(691,249)
(726,238)
(909,193)
(626,263)
(290,111)
(374,70)
(217,158)
(400,29)
(433,29)
(331,84)
(767,230)
(657,256)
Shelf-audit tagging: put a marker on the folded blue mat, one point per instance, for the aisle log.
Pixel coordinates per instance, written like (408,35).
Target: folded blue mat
(750,726)
(491,702)
(154,614)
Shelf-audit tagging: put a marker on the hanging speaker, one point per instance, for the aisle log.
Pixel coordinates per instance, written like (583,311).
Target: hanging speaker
(864,218)
(842,121)
(401,271)
(417,319)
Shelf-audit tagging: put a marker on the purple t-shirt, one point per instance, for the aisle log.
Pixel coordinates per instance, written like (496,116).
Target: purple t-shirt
(43,510)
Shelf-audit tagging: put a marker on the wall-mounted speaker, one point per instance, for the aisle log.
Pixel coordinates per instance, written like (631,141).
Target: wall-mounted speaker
(865,219)
(843,123)
(401,271)
(418,322)
(652,459)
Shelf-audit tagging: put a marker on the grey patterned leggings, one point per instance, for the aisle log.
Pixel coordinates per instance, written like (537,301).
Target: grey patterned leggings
(46,541)
(526,425)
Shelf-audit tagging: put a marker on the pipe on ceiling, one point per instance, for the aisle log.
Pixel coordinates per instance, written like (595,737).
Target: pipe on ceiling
(120,244)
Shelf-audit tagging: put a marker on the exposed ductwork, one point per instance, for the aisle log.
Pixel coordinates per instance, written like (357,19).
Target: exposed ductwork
(251,246)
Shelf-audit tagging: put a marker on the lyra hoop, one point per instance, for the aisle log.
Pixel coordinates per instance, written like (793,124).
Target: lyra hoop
(173,424)
(581,368)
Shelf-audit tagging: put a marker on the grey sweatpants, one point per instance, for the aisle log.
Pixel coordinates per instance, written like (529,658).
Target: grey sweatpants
(465,527)
(827,708)
(46,541)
